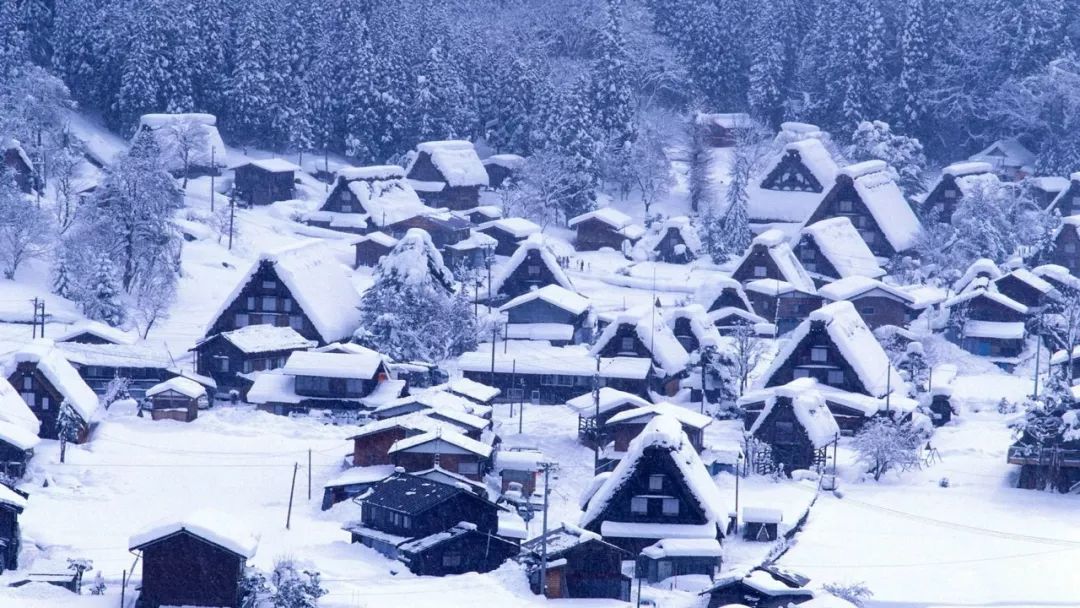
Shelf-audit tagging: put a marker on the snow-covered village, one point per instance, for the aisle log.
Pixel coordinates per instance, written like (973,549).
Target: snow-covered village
(582,303)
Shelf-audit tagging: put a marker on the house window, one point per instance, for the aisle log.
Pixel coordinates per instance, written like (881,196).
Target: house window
(802,373)
(785,431)
(809,254)
(285,304)
(950,193)
(866,310)
(1070,247)
(819,354)
(810,267)
(250,302)
(269,304)
(566,380)
(28,383)
(242,320)
(296,322)
(845,206)
(406,522)
(868,236)
(269,284)
(548,380)
(534,270)
(639,505)
(627,344)
(44,404)
(656,482)
(534,397)
(836,377)
(346,195)
(760,271)
(451,560)
(28,398)
(223,364)
(346,208)
(469,468)
(517,394)
(671,506)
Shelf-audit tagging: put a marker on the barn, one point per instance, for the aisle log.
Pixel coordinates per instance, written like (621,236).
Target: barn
(447,174)
(605,227)
(196,561)
(303,287)
(866,194)
(832,249)
(265,181)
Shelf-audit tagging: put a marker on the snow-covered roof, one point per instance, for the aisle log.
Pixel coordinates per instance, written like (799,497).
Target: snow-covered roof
(1000,330)
(885,201)
(989,294)
(610,398)
(816,157)
(1026,276)
(415,260)
(476,240)
(535,242)
(1057,274)
(382,195)
(433,440)
(664,433)
(535,357)
(771,287)
(967,168)
(722,313)
(855,342)
(653,332)
(361,475)
(99,330)
(776,246)
(1006,152)
(810,409)
(185,386)
(681,224)
(980,267)
(652,410)
(518,227)
(472,389)
(360,366)
(8,496)
(372,172)
(764,582)
(550,332)
(417,421)
(720,119)
(683,547)
(510,161)
(216,527)
(15,145)
(1050,183)
(763,515)
(698,320)
(56,369)
(14,410)
(167,127)
(608,215)
(854,286)
(555,295)
(266,338)
(273,165)
(843,247)
(708,291)
(319,283)
(456,160)
(14,434)
(519,460)
(135,355)
(378,237)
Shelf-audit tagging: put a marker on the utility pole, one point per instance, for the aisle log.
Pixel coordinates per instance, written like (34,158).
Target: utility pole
(213,170)
(309,474)
(704,363)
(43,317)
(596,415)
(510,391)
(232,218)
(888,386)
(1038,350)
(494,338)
(521,411)
(546,466)
(292,490)
(34,322)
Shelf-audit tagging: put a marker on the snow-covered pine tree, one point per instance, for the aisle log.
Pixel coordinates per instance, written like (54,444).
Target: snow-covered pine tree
(101,300)
(572,136)
(766,90)
(611,98)
(13,49)
(904,155)
(68,426)
(914,57)
(736,224)
(63,281)
(251,98)
(36,19)
(863,60)
(289,81)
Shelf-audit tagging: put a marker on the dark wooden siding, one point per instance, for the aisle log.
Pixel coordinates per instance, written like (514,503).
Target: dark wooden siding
(183,569)
(264,283)
(802,359)
(813,260)
(541,311)
(790,174)
(522,281)
(592,234)
(878,310)
(1066,250)
(844,201)
(757,258)
(256,186)
(43,399)
(368,253)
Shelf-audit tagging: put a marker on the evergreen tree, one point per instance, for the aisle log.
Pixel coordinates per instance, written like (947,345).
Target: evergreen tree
(251,98)
(63,281)
(766,94)
(13,50)
(736,225)
(291,111)
(101,300)
(611,98)
(37,22)
(914,65)
(572,138)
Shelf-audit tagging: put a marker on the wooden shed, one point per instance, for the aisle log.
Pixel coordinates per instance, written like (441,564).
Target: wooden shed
(371,248)
(15,160)
(447,174)
(177,399)
(261,182)
(580,564)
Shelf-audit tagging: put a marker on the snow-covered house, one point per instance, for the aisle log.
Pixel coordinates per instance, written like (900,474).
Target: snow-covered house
(303,287)
(793,184)
(1009,158)
(957,181)
(230,357)
(364,199)
(16,160)
(594,410)
(780,304)
(621,428)
(15,410)
(501,167)
(371,445)
(728,308)
(767,587)
(580,564)
(540,373)
(796,424)
(18,432)
(519,466)
(353,482)
(143,364)
(432,401)
(719,130)
(177,399)
(188,141)
(659,490)
(1025,287)
(673,557)
(675,241)
(878,303)
(444,228)
(833,249)
(985,322)
(447,174)
(605,227)
(1066,248)
(436,528)
(1044,190)
(692,327)
(265,181)
(45,381)
(645,334)
(371,248)
(552,313)
(532,266)
(197,560)
(333,381)
(443,447)
(836,348)
(867,195)
(12,504)
(509,233)
(475,251)
(1068,201)
(477,392)
(95,332)
(980,273)
(770,257)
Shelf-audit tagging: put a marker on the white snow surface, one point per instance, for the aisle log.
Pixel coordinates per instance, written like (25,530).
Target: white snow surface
(333,365)
(52,364)
(184,386)
(555,295)
(219,528)
(266,338)
(457,161)
(165,128)
(14,410)
(810,409)
(844,248)
(886,203)
(535,242)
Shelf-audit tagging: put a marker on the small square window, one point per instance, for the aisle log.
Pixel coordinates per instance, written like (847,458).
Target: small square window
(28,383)
(809,253)
(867,310)
(656,482)
(250,302)
(1070,247)
(296,322)
(810,267)
(45,402)
(346,195)
(242,320)
(671,506)
(761,271)
(469,468)
(950,193)
(269,303)
(269,284)
(534,270)
(801,373)
(627,344)
(845,206)
(819,354)
(223,364)
(639,505)
(836,377)
(868,236)
(28,398)
(346,208)
(451,560)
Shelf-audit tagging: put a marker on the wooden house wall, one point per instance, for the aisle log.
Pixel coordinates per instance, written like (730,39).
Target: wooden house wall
(1020,291)
(521,282)
(794,308)
(728,298)
(43,399)
(878,310)
(859,214)
(368,253)
(592,234)
(615,348)
(422,461)
(814,260)
(656,570)
(24,175)
(665,249)
(593,570)
(654,461)
(507,243)
(1066,251)
(942,200)
(10,542)
(441,234)
(758,258)
(741,593)
(790,174)
(13,459)
(786,436)
(170,405)
(624,433)
(455,198)
(294,317)
(184,570)
(1068,202)
(981,308)
(471,552)
(552,390)
(684,333)
(800,359)
(462,506)
(209,354)
(497,174)
(542,311)
(257,186)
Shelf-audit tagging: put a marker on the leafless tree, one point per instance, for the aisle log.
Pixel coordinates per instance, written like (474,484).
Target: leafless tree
(25,229)
(188,136)
(748,351)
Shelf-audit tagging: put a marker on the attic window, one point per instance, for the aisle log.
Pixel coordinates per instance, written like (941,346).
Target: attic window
(451,560)
(835,378)
(950,194)
(627,344)
(269,284)
(810,267)
(534,270)
(868,236)
(1070,247)
(845,206)
(819,354)
(801,373)
(656,482)
(671,506)
(760,271)
(639,505)
(346,208)
(809,254)
(28,383)
(346,195)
